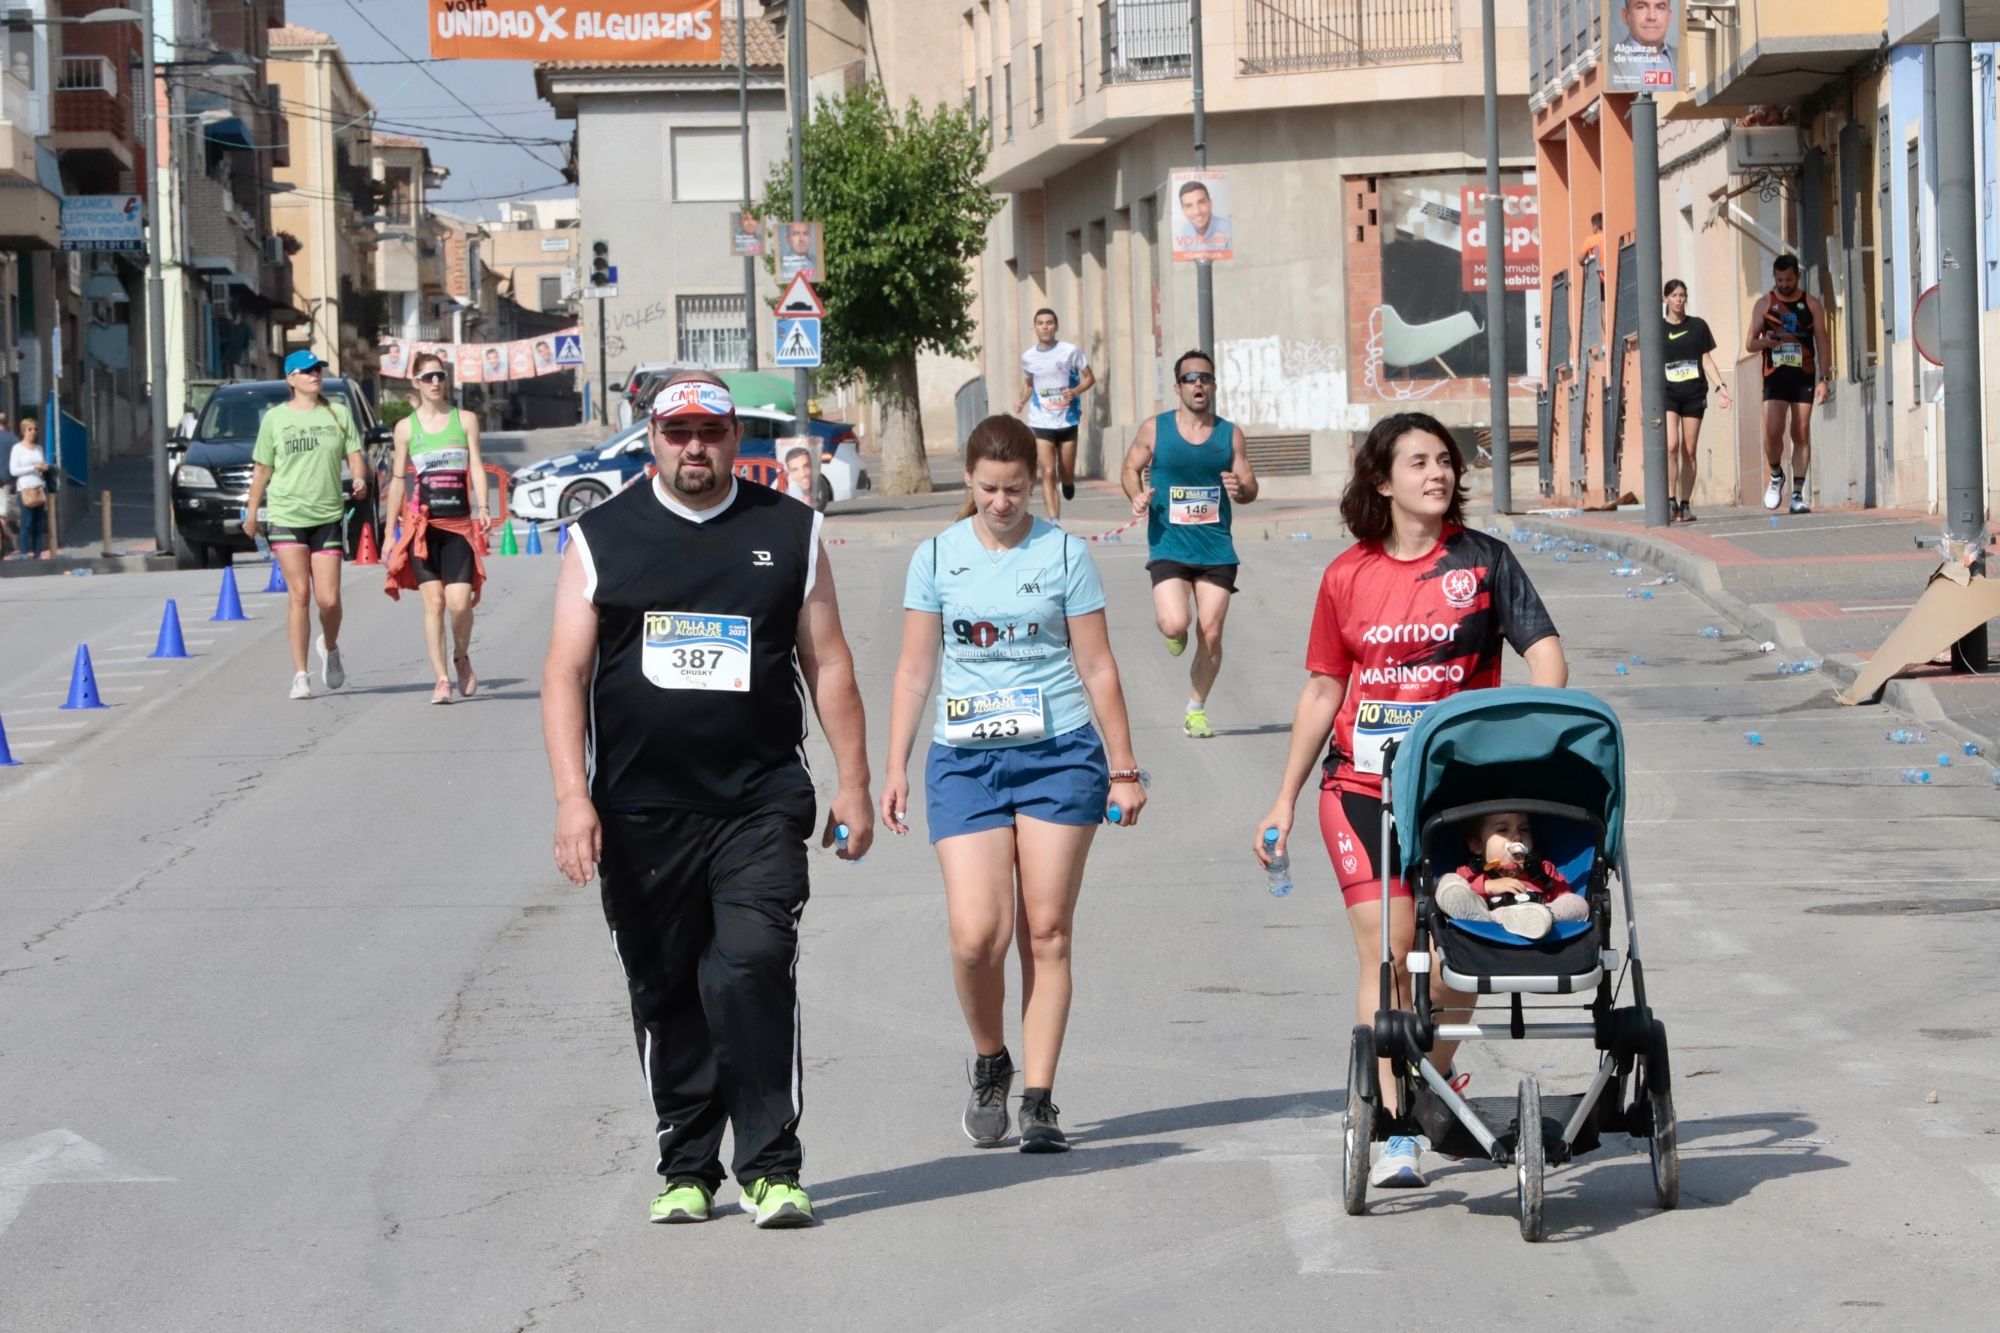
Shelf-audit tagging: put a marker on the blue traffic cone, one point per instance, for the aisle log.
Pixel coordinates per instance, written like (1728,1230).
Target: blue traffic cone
(277,583)
(534,546)
(7,759)
(562,539)
(171,644)
(229,606)
(83,682)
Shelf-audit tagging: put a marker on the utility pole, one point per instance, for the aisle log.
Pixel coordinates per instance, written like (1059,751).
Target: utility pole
(1652,329)
(1496,284)
(795,70)
(1204,270)
(1958,260)
(156,295)
(743,115)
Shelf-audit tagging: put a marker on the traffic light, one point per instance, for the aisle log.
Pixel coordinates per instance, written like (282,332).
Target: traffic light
(601,272)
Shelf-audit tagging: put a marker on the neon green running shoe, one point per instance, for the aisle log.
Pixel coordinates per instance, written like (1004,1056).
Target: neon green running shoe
(683,1201)
(777,1201)
(1176,645)
(1195,724)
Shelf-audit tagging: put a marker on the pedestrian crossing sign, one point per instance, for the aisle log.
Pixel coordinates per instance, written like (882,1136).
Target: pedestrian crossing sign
(798,342)
(569,349)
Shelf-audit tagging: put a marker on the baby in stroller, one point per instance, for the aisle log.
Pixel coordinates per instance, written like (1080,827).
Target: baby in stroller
(1507,883)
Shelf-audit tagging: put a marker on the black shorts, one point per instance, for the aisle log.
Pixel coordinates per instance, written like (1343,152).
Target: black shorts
(318,538)
(1055,434)
(1688,404)
(1789,384)
(450,557)
(1222,576)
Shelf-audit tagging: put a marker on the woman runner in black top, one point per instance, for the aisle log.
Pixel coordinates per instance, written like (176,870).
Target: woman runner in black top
(1690,370)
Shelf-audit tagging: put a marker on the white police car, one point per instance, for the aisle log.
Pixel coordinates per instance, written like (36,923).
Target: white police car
(566,485)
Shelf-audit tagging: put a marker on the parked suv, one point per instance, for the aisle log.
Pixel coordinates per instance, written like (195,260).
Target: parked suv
(212,477)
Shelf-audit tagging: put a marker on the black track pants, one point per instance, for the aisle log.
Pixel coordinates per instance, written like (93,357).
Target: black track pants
(704,912)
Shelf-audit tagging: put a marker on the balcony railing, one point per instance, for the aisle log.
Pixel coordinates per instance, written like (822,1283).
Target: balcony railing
(86,74)
(1286,35)
(1144,40)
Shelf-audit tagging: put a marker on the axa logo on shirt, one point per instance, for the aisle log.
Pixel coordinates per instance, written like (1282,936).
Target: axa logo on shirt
(1421,632)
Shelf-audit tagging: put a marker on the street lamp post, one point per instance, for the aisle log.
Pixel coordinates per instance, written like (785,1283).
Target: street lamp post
(156,300)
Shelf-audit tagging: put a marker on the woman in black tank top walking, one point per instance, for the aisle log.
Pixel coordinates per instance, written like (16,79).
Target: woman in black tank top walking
(1690,364)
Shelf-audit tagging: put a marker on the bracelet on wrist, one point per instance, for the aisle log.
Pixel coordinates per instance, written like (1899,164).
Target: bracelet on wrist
(1138,775)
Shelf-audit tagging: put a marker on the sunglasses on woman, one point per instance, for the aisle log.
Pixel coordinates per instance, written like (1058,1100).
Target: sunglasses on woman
(431,377)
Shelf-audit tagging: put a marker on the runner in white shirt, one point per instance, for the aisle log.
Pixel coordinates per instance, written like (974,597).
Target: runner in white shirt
(1054,376)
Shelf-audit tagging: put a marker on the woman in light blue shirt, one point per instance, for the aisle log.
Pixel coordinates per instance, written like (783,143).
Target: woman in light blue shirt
(1018,780)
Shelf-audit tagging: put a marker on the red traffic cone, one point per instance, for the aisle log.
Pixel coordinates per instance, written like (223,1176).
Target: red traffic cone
(367,555)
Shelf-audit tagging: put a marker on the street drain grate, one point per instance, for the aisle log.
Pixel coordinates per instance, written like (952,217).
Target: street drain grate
(1907,907)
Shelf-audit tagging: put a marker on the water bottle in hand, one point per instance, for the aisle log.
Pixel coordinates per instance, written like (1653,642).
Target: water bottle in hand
(840,839)
(1278,874)
(1113,814)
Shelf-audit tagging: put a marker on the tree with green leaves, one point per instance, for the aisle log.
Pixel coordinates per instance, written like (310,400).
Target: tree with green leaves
(904,214)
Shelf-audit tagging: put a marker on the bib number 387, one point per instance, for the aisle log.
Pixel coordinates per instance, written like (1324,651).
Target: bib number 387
(999,717)
(690,650)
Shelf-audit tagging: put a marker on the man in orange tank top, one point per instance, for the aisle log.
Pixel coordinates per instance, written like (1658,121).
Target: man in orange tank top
(1788,327)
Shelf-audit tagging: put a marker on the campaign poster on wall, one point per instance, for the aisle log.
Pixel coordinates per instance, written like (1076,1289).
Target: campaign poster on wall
(1200,215)
(1644,52)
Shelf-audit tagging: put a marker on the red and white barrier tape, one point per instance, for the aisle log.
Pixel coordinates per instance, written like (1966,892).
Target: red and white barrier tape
(1122,527)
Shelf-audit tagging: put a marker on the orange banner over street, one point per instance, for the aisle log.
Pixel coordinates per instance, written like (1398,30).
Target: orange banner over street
(647,31)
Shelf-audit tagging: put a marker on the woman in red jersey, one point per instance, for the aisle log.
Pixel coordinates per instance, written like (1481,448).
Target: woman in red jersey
(1415,611)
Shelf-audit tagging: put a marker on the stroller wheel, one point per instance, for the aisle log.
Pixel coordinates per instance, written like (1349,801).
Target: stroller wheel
(1665,1148)
(1358,1123)
(1530,1160)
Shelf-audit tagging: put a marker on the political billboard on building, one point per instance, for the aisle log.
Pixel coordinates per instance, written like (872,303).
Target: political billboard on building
(1645,46)
(665,32)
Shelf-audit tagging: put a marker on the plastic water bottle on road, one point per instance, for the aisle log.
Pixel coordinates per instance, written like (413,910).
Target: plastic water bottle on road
(1278,874)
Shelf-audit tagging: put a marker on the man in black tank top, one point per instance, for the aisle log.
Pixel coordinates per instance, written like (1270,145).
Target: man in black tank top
(694,614)
(1788,329)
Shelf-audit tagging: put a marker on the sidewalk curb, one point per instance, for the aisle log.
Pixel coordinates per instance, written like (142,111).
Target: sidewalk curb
(95,564)
(1759,621)
(864,532)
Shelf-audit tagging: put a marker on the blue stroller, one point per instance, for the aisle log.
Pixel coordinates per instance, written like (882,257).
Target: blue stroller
(1559,756)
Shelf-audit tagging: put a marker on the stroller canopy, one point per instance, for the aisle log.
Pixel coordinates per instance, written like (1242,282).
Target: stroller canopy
(1528,741)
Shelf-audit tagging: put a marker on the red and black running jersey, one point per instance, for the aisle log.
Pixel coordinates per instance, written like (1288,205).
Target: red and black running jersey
(1404,634)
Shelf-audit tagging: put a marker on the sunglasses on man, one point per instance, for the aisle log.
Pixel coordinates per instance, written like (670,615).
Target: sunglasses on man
(1197,377)
(683,433)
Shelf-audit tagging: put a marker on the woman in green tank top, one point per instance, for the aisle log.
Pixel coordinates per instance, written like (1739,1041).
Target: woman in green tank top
(437,490)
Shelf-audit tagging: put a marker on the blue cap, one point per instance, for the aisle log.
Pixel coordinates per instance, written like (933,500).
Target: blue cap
(302,360)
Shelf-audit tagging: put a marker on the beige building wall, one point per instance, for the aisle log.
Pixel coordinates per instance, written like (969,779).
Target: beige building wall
(329,119)
(1088,222)
(523,257)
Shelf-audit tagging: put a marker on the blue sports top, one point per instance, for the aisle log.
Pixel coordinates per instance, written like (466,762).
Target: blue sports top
(1008,677)
(1188,521)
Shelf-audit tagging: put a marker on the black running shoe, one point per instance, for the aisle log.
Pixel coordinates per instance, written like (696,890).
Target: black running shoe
(986,1111)
(1069,490)
(1039,1130)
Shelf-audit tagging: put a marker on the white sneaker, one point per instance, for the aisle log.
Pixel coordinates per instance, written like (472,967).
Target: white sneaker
(1775,492)
(330,669)
(302,686)
(1799,505)
(1399,1166)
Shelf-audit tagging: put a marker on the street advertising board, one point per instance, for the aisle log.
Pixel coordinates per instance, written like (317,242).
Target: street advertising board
(1200,214)
(487,363)
(799,456)
(1522,245)
(746,235)
(1645,50)
(799,251)
(684,32)
(103,222)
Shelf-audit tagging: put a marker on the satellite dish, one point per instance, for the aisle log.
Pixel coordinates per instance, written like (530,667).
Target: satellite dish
(1926,322)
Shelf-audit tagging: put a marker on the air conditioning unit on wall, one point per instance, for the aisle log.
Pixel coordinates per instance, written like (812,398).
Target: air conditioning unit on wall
(1759,148)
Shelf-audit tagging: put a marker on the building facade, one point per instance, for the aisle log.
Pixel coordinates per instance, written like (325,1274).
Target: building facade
(409,255)
(659,163)
(1354,170)
(326,211)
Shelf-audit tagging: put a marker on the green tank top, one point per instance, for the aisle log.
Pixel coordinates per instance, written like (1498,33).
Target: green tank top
(440,461)
(1188,521)
(423,444)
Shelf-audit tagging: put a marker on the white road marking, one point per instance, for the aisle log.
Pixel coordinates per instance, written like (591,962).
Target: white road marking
(1761,984)
(1891,606)
(1987,1174)
(49,726)
(57,1157)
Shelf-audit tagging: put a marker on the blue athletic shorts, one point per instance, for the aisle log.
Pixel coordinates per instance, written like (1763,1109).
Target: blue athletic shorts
(1063,780)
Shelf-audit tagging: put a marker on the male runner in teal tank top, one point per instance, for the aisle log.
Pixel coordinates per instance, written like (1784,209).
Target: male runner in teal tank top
(1200,469)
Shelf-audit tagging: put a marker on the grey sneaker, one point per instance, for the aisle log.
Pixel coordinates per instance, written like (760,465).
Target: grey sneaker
(1039,1130)
(330,669)
(986,1110)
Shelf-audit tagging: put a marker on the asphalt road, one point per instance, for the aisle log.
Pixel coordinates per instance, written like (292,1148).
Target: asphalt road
(299,1028)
